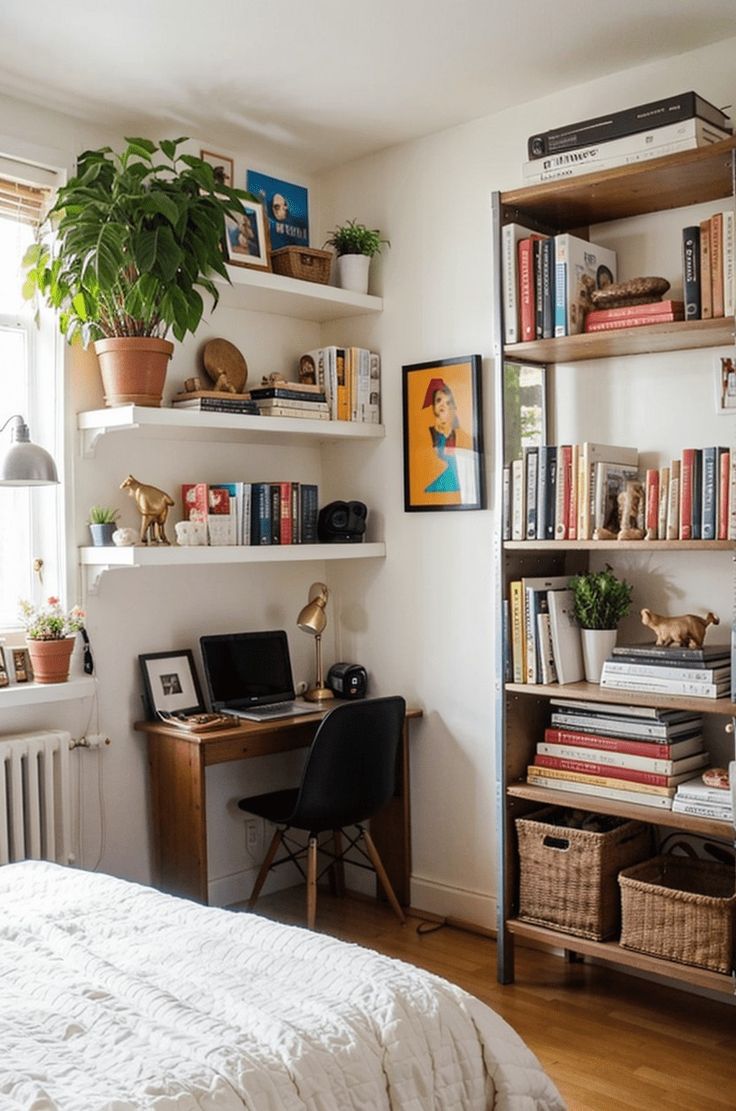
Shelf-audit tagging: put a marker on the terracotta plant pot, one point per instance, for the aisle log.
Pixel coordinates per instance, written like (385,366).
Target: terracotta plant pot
(133,369)
(50,659)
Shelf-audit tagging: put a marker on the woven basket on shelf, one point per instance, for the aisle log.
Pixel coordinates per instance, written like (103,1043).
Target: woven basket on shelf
(568,876)
(306,263)
(680,909)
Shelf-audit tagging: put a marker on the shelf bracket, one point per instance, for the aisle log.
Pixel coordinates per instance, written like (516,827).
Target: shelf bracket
(93,572)
(88,437)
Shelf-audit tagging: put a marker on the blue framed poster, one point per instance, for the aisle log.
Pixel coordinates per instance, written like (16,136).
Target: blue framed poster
(287,207)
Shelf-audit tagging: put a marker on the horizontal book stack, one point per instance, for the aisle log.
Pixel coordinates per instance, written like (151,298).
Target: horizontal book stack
(547,282)
(709,267)
(253,513)
(633,754)
(574,492)
(215,401)
(349,378)
(634,316)
(694,797)
(655,669)
(633,135)
(292,399)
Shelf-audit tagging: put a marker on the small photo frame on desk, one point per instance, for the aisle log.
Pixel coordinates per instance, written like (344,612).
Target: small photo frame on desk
(170,683)
(21,664)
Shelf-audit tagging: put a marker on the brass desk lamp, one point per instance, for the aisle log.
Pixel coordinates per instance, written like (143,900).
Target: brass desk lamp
(312,619)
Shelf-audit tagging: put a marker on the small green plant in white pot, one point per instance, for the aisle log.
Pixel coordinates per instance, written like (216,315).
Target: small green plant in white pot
(355,246)
(601,601)
(102,525)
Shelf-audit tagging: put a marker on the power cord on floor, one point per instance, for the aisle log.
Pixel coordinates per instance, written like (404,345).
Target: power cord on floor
(426,927)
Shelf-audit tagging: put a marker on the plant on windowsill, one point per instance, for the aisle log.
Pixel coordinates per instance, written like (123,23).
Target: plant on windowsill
(601,601)
(129,243)
(50,636)
(355,246)
(102,525)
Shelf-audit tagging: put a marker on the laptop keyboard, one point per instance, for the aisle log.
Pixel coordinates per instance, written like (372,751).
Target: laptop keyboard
(277,710)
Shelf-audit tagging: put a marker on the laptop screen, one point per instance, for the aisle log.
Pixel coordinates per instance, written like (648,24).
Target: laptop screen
(247,669)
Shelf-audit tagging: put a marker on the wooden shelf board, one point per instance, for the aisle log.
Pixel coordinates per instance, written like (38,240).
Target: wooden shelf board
(173,556)
(261,291)
(30,694)
(597,804)
(643,546)
(650,339)
(674,181)
(627,958)
(592,692)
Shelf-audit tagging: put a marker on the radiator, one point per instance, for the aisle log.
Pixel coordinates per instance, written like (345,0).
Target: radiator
(35,797)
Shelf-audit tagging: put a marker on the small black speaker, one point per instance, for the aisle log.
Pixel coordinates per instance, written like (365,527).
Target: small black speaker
(348,680)
(342,522)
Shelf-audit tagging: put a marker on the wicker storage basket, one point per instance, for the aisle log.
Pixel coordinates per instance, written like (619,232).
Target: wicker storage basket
(302,262)
(568,877)
(681,910)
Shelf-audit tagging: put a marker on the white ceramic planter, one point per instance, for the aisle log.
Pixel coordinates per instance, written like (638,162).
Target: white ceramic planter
(597,647)
(352,272)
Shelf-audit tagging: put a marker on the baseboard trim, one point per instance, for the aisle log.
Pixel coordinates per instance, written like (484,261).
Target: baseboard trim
(467,910)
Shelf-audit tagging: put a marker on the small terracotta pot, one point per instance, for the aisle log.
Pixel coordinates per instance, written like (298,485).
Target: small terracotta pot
(133,369)
(51,659)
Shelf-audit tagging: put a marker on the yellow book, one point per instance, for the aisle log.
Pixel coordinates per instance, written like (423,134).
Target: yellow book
(518,637)
(534,772)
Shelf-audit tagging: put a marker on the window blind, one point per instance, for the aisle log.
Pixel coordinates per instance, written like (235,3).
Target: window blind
(22,202)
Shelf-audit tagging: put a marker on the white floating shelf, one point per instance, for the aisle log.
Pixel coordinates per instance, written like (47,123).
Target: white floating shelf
(260,291)
(99,560)
(186,424)
(28,694)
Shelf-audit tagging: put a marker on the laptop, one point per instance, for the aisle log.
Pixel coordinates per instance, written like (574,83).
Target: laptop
(249,676)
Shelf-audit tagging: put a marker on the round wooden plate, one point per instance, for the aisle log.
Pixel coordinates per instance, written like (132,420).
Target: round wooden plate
(222,357)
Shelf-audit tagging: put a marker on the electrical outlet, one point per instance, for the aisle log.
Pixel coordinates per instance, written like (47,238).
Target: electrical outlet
(252,836)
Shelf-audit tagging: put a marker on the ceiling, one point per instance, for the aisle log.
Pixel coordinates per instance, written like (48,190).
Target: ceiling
(320,82)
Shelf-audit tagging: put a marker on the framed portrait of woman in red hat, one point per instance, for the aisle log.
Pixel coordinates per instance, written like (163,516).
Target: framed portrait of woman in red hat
(443,443)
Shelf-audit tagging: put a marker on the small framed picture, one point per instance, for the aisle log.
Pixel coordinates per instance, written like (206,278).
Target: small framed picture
(443,443)
(222,166)
(4,679)
(247,237)
(524,408)
(726,384)
(171,683)
(21,661)
(287,208)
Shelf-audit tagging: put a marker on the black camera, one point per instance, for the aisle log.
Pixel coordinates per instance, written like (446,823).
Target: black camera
(342,522)
(348,680)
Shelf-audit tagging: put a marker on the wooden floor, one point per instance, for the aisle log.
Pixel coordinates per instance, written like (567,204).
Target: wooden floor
(610,1042)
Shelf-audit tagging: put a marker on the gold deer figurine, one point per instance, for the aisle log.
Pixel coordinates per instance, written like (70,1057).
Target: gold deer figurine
(153,506)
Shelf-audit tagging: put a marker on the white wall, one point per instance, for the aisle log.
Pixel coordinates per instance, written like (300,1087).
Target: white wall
(423,621)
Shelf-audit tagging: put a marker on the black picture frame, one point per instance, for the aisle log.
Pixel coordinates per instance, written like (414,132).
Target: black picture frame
(170,683)
(443,449)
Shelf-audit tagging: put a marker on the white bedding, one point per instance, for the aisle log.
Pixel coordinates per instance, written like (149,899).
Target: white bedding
(114,996)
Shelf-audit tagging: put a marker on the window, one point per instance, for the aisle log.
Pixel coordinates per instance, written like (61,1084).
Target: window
(29,518)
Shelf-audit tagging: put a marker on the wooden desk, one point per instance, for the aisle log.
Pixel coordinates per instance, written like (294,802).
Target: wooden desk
(177,762)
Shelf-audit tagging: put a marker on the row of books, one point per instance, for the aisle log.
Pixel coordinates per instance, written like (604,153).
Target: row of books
(633,135)
(349,377)
(709,268)
(547,281)
(577,491)
(653,669)
(636,754)
(544,644)
(696,798)
(253,513)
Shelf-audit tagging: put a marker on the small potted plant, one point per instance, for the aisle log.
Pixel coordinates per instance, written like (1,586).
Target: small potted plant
(355,245)
(130,243)
(601,601)
(102,525)
(50,636)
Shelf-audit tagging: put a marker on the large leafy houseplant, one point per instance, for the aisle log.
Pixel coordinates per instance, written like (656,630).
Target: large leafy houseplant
(130,244)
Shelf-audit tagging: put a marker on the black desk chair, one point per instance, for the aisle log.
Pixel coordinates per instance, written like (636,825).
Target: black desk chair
(348,777)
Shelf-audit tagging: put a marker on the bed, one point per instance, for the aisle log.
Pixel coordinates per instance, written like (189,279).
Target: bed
(114,996)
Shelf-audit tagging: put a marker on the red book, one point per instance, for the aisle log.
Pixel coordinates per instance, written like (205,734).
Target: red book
(632,775)
(657,749)
(686,493)
(723,481)
(633,322)
(622,312)
(563,492)
(527,289)
(195,501)
(286,524)
(652,504)
(219,501)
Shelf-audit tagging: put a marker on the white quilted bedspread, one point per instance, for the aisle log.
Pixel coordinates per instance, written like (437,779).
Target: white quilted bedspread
(114,996)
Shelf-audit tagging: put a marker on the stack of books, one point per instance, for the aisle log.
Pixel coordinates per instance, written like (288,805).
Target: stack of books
(655,669)
(633,754)
(694,797)
(215,401)
(253,513)
(634,316)
(636,134)
(291,399)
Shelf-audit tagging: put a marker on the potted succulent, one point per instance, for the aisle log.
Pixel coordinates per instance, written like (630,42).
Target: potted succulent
(355,245)
(50,636)
(600,600)
(102,525)
(123,254)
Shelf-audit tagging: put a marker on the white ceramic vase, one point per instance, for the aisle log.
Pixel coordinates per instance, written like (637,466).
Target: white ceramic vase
(352,272)
(597,647)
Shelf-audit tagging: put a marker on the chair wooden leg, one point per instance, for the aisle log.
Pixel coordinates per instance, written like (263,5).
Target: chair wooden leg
(265,868)
(381,873)
(312,882)
(338,868)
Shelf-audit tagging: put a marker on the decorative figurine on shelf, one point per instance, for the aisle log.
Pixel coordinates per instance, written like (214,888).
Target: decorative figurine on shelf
(686,631)
(275,378)
(225,365)
(124,537)
(635,291)
(626,521)
(153,505)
